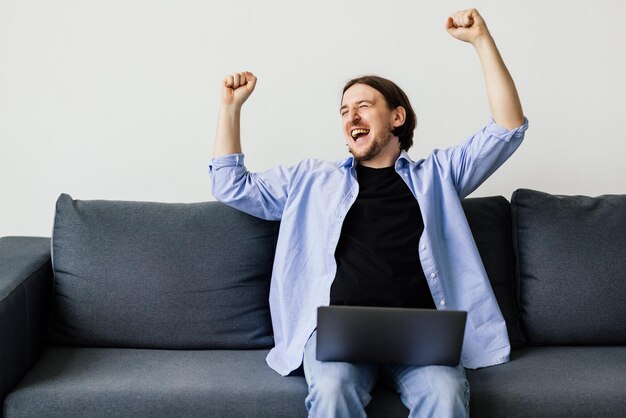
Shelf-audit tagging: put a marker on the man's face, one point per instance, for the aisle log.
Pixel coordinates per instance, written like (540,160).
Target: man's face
(365,107)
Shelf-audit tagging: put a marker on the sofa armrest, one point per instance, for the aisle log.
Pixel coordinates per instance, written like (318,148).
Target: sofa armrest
(26,289)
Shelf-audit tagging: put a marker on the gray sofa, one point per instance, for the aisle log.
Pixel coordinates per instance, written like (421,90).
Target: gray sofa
(161,309)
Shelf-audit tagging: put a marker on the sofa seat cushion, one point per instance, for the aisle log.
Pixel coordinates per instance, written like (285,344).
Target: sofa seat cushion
(552,382)
(105,382)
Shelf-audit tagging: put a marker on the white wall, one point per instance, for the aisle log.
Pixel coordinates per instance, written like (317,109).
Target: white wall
(119,99)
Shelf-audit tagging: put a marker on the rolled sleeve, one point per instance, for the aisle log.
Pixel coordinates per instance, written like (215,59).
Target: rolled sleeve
(504,134)
(228,160)
(259,194)
(223,171)
(472,162)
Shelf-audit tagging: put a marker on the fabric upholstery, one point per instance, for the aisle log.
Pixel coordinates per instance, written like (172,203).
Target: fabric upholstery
(103,382)
(160,275)
(25,303)
(552,382)
(122,269)
(571,266)
(489,219)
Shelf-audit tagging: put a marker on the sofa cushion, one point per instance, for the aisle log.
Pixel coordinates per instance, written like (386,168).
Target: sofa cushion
(121,382)
(489,219)
(571,267)
(552,382)
(104,382)
(160,275)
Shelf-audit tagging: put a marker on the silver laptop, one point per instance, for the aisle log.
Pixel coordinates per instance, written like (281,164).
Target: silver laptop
(410,336)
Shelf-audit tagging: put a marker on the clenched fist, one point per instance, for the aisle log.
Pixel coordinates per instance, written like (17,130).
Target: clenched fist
(236,88)
(467,25)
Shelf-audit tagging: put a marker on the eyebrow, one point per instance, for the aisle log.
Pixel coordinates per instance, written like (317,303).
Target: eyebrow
(360,101)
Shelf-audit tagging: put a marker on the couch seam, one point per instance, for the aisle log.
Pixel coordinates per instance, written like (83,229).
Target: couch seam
(518,282)
(28,327)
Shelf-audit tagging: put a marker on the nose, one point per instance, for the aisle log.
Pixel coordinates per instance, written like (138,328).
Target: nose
(353,115)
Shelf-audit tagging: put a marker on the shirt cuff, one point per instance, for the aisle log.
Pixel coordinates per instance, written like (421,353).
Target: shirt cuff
(228,160)
(501,132)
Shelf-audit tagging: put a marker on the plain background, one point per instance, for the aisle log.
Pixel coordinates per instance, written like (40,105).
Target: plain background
(119,99)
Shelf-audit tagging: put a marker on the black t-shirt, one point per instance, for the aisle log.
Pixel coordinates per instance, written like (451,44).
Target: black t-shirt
(377,254)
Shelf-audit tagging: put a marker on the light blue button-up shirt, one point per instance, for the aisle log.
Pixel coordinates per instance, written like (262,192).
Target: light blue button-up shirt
(312,198)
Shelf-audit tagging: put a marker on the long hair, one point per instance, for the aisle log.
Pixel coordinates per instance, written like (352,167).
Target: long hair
(394,97)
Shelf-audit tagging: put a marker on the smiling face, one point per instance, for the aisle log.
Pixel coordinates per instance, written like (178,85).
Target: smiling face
(368,126)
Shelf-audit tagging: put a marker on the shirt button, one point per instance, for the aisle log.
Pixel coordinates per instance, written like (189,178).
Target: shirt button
(423,247)
(433,275)
(442,302)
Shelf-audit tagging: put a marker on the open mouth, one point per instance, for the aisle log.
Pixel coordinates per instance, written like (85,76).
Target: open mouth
(359,134)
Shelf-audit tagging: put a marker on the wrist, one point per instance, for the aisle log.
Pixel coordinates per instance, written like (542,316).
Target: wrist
(231,108)
(483,41)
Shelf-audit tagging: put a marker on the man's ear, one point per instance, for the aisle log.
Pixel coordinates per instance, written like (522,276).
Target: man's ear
(399,116)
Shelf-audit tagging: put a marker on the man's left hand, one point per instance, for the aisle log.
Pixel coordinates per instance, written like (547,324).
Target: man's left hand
(467,25)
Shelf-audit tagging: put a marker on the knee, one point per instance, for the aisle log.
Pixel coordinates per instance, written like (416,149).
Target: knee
(337,396)
(448,389)
(338,386)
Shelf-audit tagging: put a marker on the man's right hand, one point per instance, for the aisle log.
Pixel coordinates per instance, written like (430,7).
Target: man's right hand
(236,88)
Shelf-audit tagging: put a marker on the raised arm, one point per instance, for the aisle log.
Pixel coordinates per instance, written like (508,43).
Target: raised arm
(469,26)
(259,194)
(236,89)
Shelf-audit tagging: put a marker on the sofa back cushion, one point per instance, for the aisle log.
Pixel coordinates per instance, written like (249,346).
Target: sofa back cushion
(571,253)
(489,219)
(160,275)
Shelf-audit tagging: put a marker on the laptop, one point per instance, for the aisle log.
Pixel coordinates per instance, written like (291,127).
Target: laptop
(409,336)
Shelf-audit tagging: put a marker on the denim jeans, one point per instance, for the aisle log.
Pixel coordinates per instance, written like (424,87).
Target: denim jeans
(342,390)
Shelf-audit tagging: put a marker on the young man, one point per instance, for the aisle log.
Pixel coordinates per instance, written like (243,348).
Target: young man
(378,229)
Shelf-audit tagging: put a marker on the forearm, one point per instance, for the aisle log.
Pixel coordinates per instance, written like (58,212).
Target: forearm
(227,137)
(504,102)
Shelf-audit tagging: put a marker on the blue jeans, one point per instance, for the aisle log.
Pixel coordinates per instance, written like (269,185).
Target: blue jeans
(342,390)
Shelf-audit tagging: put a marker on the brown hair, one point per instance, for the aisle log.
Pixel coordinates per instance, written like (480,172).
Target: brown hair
(394,97)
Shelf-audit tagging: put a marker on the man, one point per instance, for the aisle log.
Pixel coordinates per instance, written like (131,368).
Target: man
(378,229)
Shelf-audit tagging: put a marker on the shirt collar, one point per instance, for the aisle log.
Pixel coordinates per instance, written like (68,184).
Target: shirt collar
(402,160)
(347,162)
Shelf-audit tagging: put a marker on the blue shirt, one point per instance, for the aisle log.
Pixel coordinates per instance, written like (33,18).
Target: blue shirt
(312,198)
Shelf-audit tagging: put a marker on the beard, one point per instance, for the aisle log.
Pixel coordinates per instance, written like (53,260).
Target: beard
(375,147)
